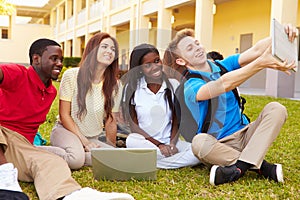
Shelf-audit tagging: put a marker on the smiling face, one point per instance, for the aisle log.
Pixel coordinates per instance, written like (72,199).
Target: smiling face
(106,52)
(49,64)
(191,51)
(152,67)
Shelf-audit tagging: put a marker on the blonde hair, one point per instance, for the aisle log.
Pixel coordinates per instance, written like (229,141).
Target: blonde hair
(171,53)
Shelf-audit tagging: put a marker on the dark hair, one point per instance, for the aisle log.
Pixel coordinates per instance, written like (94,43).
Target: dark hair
(138,53)
(134,76)
(86,74)
(39,46)
(214,55)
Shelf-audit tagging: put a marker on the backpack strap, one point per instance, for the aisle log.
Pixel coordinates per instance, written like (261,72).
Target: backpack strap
(241,100)
(212,104)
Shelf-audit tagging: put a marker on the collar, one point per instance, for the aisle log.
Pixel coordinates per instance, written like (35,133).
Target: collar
(143,84)
(214,67)
(38,82)
(213,75)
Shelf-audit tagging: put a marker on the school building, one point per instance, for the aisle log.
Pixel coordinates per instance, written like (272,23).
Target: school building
(227,26)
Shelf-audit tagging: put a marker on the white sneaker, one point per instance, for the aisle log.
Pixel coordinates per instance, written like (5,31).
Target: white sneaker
(9,177)
(91,194)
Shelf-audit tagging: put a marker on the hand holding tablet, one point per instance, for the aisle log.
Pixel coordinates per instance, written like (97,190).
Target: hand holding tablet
(282,48)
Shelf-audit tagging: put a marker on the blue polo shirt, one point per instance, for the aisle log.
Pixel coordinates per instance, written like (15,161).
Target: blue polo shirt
(228,112)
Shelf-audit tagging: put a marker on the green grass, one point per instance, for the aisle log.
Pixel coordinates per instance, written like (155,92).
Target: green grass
(192,183)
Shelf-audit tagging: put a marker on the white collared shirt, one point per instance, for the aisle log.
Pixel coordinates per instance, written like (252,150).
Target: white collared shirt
(153,111)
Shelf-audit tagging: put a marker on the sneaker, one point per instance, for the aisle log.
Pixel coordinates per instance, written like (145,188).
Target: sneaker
(272,171)
(220,175)
(91,194)
(9,177)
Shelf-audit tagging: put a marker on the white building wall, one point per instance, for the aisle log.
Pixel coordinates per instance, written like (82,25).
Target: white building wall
(16,49)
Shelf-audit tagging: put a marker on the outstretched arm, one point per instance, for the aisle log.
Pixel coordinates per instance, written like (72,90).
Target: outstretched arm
(261,46)
(254,52)
(252,61)
(235,78)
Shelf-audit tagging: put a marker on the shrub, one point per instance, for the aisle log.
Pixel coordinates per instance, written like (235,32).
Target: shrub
(71,61)
(62,72)
(68,63)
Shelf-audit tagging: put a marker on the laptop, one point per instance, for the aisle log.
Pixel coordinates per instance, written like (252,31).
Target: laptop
(124,163)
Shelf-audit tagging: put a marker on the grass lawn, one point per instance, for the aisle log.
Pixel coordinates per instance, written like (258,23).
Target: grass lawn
(193,183)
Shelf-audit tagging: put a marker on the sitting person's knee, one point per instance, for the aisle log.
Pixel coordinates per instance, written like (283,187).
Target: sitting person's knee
(278,109)
(202,144)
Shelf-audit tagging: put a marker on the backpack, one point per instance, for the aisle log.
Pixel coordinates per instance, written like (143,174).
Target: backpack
(188,127)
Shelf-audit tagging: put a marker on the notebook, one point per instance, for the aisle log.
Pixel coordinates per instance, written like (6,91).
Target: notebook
(124,163)
(282,48)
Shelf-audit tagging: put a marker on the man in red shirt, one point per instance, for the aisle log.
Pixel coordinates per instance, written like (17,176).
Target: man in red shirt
(26,95)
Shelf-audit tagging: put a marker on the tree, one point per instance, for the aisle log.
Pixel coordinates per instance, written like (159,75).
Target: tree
(6,8)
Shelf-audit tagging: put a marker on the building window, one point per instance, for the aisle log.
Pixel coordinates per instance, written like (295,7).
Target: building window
(83,4)
(82,44)
(4,33)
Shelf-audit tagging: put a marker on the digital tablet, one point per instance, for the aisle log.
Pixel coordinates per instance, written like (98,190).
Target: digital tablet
(282,48)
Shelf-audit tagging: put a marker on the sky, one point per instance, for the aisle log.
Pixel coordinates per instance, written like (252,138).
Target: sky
(33,3)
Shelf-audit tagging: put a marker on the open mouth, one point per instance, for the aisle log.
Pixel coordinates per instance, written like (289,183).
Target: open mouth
(57,70)
(157,73)
(199,54)
(107,57)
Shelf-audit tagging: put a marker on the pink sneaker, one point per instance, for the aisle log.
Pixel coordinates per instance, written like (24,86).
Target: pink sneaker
(91,194)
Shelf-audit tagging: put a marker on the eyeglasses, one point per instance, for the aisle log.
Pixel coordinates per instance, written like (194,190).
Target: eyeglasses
(56,59)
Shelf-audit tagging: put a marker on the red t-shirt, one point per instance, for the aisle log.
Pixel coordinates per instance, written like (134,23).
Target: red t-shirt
(24,100)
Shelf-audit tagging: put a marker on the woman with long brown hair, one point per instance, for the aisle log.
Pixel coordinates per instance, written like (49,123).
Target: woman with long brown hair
(89,96)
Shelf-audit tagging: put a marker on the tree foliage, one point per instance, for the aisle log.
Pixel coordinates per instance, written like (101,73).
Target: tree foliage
(6,8)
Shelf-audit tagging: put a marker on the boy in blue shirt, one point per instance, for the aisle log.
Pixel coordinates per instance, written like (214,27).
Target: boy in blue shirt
(232,146)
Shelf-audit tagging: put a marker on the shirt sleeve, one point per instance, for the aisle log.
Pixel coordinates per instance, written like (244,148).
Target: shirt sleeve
(191,88)
(231,62)
(11,76)
(67,85)
(117,98)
